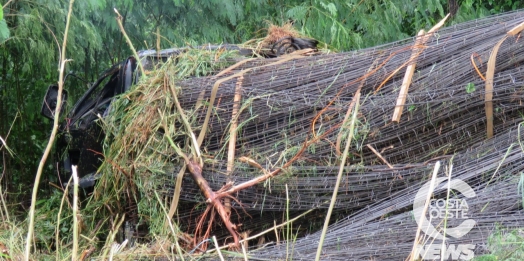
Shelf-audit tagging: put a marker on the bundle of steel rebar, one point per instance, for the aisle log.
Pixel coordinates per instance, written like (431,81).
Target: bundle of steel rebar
(292,112)
(386,229)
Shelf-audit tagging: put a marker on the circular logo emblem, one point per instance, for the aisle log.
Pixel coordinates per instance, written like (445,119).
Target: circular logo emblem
(442,208)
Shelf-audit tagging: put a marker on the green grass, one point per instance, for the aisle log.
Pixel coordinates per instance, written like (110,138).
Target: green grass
(505,245)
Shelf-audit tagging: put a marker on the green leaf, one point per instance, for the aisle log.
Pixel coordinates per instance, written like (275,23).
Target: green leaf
(330,7)
(470,87)
(2,14)
(298,12)
(4,31)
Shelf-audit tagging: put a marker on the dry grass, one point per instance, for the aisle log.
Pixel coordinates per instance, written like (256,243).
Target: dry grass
(275,33)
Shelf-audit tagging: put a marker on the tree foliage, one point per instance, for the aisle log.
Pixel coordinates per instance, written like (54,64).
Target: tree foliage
(31,29)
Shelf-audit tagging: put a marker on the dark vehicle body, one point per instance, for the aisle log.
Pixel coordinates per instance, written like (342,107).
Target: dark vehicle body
(79,139)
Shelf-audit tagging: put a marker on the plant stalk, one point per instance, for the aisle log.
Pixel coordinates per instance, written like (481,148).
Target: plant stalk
(356,99)
(75,215)
(30,228)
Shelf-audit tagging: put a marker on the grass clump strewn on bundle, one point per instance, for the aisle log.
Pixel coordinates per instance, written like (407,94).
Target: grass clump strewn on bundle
(137,154)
